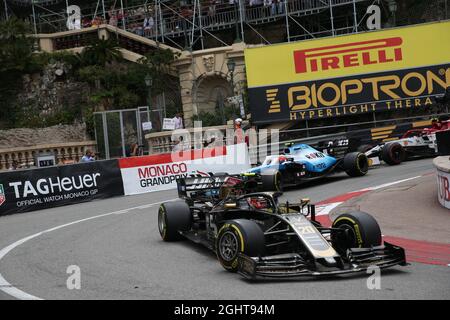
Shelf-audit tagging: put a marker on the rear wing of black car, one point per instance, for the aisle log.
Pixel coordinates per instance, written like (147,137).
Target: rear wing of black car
(196,183)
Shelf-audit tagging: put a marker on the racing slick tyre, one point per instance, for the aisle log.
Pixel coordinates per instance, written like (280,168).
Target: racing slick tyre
(173,217)
(393,153)
(235,236)
(360,230)
(356,164)
(271,180)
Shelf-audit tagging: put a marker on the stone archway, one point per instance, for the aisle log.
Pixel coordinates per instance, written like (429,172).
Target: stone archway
(204,74)
(211,92)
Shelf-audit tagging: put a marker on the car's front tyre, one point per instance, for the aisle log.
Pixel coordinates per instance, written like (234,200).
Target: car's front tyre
(237,236)
(355,230)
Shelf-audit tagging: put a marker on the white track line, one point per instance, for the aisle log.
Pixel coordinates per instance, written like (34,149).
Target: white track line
(388,184)
(9,289)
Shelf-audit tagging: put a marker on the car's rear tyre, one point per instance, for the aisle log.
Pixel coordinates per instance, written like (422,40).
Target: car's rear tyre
(356,164)
(393,153)
(237,236)
(360,230)
(173,217)
(271,180)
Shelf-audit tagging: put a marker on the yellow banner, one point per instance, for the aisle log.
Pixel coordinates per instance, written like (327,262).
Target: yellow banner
(370,52)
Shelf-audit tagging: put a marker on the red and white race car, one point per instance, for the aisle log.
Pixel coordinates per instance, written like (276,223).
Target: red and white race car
(414,143)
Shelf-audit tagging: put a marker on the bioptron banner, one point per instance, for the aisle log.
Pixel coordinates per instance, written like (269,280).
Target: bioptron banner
(160,172)
(374,71)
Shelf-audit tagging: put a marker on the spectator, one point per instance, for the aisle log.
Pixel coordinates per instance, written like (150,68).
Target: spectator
(238,132)
(96,21)
(178,121)
(14,165)
(137,29)
(86,23)
(112,14)
(272,5)
(132,150)
(209,143)
(180,145)
(88,156)
(280,5)
(212,11)
(149,22)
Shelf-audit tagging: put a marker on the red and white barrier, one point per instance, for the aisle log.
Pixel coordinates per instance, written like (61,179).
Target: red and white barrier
(442,165)
(160,172)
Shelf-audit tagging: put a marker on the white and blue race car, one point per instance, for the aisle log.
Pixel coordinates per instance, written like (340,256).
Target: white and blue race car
(301,163)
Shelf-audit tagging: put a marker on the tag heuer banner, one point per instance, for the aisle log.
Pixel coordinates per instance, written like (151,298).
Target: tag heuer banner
(28,190)
(401,68)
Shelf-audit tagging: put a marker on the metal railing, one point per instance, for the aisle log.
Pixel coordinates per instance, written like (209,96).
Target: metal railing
(169,21)
(65,153)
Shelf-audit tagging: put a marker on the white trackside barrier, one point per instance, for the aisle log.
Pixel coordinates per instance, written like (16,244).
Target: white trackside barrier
(160,172)
(442,165)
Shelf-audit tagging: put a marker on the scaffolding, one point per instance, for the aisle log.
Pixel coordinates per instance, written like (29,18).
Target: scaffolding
(201,24)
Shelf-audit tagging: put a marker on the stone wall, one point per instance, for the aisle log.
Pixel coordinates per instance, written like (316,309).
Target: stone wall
(52,91)
(25,137)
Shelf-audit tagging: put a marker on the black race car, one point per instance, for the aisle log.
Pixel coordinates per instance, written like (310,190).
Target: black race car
(259,237)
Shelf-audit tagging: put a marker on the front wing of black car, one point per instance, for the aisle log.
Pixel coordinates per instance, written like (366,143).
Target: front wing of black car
(294,266)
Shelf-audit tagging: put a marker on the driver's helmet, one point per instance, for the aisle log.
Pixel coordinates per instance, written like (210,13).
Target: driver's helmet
(282,159)
(435,123)
(258,203)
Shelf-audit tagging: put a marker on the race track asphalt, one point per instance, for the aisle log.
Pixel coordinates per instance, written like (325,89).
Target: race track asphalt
(121,256)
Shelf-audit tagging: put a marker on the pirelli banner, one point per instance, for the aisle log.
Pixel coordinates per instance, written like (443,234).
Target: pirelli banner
(402,68)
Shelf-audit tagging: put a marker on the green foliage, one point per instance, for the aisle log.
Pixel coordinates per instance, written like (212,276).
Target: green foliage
(15,53)
(88,118)
(101,53)
(40,60)
(122,86)
(157,64)
(15,46)
(26,119)
(114,83)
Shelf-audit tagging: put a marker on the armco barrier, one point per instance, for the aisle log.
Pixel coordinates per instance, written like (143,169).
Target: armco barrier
(159,172)
(442,165)
(28,190)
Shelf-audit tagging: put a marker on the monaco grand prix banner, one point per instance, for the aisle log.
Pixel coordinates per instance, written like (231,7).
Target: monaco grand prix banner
(28,190)
(401,68)
(160,172)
